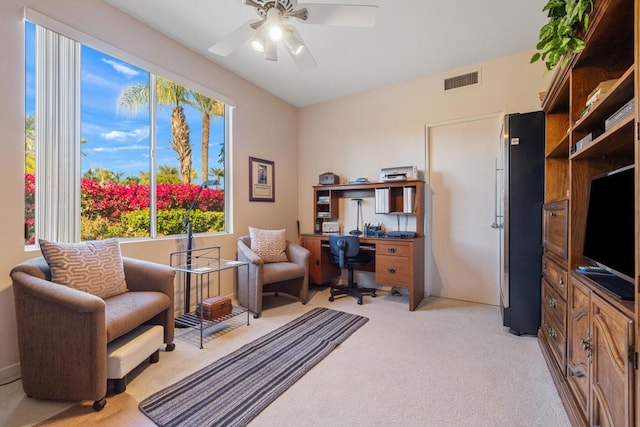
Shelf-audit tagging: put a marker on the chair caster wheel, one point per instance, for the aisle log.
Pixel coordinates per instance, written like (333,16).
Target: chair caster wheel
(359,301)
(170,347)
(331,298)
(98,405)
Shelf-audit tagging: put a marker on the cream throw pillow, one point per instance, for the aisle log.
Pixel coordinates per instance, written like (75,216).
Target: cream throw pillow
(93,267)
(270,245)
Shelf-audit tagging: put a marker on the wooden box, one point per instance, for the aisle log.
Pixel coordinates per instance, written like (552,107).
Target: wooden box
(214,308)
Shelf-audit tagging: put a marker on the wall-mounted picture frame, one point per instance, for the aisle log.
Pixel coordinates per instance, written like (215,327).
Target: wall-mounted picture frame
(262,183)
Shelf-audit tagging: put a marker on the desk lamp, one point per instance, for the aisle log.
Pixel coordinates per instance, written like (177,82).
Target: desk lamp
(357,231)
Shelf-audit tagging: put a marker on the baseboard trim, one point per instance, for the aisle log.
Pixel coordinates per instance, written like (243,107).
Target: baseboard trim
(574,412)
(9,373)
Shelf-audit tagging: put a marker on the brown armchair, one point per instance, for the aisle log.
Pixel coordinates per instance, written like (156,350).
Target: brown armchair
(63,332)
(291,277)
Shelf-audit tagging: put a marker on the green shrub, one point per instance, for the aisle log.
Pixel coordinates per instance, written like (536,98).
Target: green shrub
(137,224)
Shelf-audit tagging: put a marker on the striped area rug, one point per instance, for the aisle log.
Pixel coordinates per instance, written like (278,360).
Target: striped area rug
(234,389)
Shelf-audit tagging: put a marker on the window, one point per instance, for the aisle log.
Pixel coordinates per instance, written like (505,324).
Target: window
(120,151)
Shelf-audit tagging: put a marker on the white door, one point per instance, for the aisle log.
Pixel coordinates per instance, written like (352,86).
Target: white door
(463,250)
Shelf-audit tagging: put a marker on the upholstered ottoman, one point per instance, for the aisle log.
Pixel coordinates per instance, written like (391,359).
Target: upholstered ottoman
(128,351)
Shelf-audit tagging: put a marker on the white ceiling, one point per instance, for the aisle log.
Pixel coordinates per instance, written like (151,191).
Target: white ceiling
(411,39)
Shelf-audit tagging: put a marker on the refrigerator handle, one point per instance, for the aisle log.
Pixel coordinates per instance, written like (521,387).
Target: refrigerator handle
(495,224)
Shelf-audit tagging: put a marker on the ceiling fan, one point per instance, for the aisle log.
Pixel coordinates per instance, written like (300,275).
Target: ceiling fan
(273,27)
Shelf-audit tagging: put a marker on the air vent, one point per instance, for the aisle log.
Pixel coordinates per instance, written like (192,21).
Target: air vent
(461,81)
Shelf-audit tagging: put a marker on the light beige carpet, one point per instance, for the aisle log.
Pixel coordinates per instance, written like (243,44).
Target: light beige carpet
(449,363)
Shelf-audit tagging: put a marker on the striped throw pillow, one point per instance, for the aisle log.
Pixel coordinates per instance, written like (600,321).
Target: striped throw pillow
(270,245)
(93,267)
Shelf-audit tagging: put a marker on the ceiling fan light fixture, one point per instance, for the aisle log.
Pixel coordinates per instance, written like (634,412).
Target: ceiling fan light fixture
(274,25)
(293,42)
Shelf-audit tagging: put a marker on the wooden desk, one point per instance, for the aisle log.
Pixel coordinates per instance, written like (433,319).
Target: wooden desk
(398,262)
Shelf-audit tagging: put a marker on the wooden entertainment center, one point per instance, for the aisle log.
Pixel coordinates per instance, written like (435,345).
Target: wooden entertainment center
(397,262)
(589,336)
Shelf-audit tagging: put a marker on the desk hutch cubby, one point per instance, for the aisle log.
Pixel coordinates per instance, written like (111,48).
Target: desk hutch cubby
(397,262)
(588,336)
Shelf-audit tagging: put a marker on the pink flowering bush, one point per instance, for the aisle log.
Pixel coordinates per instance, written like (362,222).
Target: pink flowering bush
(30,207)
(109,209)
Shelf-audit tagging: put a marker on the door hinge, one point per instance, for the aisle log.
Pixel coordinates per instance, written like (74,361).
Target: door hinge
(633,355)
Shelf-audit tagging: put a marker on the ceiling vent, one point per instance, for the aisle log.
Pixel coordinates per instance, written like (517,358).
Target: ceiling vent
(462,80)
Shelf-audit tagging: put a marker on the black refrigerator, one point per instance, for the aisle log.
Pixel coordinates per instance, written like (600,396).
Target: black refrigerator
(519,220)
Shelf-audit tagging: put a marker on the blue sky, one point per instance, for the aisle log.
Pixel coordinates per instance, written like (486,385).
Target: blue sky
(118,140)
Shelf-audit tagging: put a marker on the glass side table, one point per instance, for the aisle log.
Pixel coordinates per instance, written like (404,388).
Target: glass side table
(200,264)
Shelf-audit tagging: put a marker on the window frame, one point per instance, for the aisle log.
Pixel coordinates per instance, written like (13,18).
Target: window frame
(154,72)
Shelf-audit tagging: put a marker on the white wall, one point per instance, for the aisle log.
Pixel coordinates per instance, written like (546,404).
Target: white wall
(358,135)
(264,127)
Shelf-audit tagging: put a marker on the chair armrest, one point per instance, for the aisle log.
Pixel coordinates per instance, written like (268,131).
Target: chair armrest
(38,291)
(148,276)
(246,254)
(58,327)
(298,254)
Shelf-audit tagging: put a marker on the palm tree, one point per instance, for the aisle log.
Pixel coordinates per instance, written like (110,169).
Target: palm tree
(168,175)
(207,107)
(136,97)
(103,175)
(218,173)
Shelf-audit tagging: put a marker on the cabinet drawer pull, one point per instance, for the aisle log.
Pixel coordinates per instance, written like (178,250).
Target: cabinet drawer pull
(317,262)
(561,281)
(551,332)
(585,343)
(391,270)
(552,214)
(391,250)
(553,303)
(577,374)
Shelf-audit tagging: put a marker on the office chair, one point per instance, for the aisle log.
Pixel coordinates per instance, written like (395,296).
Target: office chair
(345,251)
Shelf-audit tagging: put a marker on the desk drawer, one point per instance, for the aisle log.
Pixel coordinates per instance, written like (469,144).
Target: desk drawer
(554,335)
(554,227)
(393,270)
(555,304)
(555,275)
(393,249)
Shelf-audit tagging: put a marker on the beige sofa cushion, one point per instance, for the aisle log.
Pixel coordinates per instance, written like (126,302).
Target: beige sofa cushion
(93,267)
(278,272)
(125,312)
(270,245)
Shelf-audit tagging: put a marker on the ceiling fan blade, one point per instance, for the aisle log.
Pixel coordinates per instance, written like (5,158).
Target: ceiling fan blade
(341,15)
(303,58)
(234,39)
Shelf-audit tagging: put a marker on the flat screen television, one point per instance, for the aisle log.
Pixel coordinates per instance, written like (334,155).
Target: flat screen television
(609,239)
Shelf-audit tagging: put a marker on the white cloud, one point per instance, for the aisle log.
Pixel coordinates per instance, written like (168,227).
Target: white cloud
(121,68)
(99,81)
(120,136)
(113,149)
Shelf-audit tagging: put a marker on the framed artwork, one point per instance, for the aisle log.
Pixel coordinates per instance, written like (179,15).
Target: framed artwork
(262,184)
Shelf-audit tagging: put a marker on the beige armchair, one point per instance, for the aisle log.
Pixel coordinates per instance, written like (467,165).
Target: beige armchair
(63,332)
(291,277)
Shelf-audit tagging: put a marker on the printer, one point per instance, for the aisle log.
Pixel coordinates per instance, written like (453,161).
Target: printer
(400,173)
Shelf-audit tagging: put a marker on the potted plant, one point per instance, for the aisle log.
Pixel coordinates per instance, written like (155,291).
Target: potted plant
(562,35)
